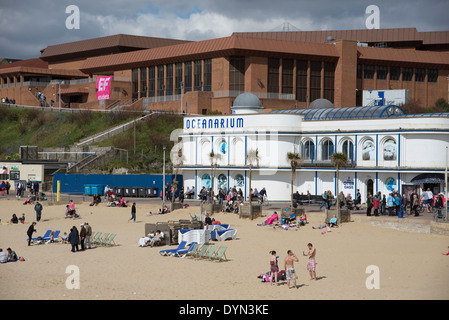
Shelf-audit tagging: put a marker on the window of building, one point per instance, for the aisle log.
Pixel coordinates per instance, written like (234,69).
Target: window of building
(143,82)
(308,150)
(197,75)
(273,75)
(207,77)
(368,71)
(237,74)
(395,73)
(151,81)
(178,78)
(407,74)
(368,149)
(160,81)
(389,150)
(287,76)
(348,148)
(382,72)
(359,71)
(329,75)
(420,74)
(315,80)
(169,80)
(327,149)
(301,80)
(135,83)
(188,76)
(432,75)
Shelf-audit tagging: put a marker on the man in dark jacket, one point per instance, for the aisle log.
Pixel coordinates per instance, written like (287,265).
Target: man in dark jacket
(82,236)
(30,232)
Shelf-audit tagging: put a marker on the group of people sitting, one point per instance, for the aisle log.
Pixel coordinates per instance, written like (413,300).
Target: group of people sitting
(70,211)
(151,239)
(112,202)
(96,199)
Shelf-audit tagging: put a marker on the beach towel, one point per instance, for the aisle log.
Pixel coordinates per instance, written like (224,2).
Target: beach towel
(271,219)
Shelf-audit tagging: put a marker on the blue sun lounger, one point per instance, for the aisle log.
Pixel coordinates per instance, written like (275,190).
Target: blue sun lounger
(183,252)
(170,251)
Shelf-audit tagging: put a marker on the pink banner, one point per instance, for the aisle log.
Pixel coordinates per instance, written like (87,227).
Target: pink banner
(103,87)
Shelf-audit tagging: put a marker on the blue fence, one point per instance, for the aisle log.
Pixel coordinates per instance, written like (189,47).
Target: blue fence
(92,183)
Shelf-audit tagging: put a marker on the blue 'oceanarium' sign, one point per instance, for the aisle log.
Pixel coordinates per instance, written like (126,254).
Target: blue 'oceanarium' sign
(214,123)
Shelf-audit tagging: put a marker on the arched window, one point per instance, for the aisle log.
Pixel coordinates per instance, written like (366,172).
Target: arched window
(389,150)
(368,149)
(205,181)
(222,181)
(307,150)
(348,148)
(327,148)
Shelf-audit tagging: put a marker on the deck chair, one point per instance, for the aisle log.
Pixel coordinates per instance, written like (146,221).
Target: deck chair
(101,239)
(220,254)
(109,241)
(200,251)
(210,252)
(192,251)
(96,238)
(46,235)
(171,251)
(104,239)
(195,218)
(183,252)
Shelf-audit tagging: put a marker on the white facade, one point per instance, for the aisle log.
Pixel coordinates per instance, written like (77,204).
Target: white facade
(385,153)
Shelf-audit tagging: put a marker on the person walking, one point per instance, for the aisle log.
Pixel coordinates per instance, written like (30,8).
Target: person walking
(289,267)
(133,212)
(74,239)
(38,208)
(30,232)
(87,243)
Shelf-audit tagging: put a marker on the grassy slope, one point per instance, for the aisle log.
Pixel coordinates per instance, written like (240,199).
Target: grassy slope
(49,129)
(20,127)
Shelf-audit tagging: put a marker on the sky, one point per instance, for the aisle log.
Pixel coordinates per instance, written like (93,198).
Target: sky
(28,26)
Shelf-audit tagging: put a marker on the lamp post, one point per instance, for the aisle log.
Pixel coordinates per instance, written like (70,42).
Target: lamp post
(60,95)
(445,182)
(181,83)
(163,179)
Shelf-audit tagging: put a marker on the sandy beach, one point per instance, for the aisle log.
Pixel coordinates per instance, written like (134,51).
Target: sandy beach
(411,265)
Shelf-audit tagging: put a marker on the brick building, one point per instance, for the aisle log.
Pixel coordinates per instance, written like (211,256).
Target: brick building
(284,70)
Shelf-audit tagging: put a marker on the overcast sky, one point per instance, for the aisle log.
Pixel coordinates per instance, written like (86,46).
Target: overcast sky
(28,26)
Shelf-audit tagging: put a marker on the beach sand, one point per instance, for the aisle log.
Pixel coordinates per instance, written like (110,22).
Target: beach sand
(411,265)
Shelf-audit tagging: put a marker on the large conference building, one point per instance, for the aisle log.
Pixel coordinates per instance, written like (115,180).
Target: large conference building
(277,92)
(285,69)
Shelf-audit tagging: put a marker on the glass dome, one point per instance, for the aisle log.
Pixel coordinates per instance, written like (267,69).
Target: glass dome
(368,112)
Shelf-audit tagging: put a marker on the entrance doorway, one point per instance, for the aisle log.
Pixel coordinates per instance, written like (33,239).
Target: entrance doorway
(369,187)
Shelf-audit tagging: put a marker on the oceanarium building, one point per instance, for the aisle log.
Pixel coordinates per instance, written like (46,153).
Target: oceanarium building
(387,149)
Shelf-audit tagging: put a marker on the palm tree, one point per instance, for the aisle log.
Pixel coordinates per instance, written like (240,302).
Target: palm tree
(177,160)
(214,159)
(252,159)
(295,161)
(339,160)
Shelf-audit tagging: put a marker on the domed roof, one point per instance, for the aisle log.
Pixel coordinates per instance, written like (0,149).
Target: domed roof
(321,104)
(247,99)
